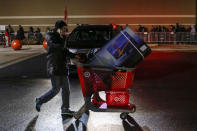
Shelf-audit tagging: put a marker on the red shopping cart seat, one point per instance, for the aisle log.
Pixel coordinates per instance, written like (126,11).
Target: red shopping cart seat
(117,98)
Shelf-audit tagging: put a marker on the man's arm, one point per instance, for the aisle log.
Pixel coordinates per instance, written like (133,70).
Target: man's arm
(52,43)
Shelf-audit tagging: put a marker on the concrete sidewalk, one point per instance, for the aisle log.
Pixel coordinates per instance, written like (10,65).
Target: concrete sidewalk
(8,56)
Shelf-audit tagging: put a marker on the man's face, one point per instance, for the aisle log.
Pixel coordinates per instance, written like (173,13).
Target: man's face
(63,30)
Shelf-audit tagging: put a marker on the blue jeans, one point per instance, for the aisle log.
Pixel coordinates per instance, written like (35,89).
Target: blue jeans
(57,83)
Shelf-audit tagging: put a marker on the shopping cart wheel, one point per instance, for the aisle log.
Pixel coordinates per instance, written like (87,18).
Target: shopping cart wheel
(123,115)
(134,109)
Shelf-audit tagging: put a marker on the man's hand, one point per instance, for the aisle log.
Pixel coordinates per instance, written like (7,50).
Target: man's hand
(81,57)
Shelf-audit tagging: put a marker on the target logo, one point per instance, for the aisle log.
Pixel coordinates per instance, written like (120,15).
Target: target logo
(86,74)
(119,99)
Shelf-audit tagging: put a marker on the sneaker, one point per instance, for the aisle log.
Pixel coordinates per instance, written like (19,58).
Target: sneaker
(67,111)
(38,105)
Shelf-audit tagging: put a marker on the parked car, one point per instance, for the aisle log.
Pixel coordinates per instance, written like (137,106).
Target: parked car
(87,39)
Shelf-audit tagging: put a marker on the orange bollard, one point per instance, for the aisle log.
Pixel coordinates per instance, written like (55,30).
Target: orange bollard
(16,44)
(45,44)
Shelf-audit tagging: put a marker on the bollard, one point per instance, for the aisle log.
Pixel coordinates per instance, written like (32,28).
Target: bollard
(45,44)
(16,44)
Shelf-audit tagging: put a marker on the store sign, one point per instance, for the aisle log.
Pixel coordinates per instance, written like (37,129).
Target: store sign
(2,27)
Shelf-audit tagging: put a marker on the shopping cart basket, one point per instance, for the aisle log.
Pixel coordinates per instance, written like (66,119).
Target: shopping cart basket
(114,81)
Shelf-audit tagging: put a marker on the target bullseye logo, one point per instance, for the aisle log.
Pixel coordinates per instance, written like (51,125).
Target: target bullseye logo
(86,74)
(119,99)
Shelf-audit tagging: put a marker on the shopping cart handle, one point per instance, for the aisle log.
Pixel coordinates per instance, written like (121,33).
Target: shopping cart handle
(120,69)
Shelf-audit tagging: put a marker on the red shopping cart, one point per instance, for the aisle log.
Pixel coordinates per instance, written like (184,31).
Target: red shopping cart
(114,82)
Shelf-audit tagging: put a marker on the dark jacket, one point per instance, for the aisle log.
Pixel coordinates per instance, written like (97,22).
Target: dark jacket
(57,54)
(20,34)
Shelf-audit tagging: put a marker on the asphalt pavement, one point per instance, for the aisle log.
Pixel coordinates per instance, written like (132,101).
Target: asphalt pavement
(164,92)
(8,56)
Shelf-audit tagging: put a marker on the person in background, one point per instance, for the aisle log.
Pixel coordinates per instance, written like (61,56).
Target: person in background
(178,33)
(10,29)
(3,39)
(48,29)
(7,37)
(20,33)
(30,33)
(38,36)
(11,32)
(193,33)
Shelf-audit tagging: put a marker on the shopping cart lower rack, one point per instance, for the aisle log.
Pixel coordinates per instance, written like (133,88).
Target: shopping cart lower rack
(115,82)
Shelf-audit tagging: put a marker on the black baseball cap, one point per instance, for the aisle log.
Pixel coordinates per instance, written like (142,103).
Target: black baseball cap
(60,24)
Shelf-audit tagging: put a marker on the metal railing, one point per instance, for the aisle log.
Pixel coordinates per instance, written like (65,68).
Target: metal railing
(35,38)
(148,37)
(169,37)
